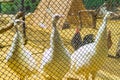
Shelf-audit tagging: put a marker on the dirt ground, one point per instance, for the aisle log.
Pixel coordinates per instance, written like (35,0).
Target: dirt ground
(38,41)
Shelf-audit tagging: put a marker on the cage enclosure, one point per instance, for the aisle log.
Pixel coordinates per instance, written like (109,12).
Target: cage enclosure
(65,40)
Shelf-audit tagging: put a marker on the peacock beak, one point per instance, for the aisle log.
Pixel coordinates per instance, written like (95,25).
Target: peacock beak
(113,14)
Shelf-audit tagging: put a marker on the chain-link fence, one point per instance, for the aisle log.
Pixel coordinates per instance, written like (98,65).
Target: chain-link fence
(59,39)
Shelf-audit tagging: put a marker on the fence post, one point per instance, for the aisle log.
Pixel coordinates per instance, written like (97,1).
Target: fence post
(23,18)
(0,7)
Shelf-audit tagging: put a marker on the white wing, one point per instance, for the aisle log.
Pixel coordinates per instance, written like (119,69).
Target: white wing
(46,57)
(82,56)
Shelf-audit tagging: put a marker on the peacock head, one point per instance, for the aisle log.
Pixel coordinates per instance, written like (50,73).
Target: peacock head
(56,17)
(17,24)
(110,14)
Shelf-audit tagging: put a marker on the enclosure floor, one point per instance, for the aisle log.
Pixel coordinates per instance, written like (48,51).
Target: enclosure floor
(38,41)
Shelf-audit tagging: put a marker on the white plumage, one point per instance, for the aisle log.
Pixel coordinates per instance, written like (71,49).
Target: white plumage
(90,57)
(19,59)
(56,59)
(103,9)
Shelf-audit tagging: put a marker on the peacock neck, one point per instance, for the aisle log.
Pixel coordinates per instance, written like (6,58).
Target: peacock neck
(55,41)
(101,37)
(17,44)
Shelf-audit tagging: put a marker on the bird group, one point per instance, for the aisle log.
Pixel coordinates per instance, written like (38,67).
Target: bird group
(89,58)
(57,60)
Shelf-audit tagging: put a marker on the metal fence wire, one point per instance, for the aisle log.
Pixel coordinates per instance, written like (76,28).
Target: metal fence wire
(59,39)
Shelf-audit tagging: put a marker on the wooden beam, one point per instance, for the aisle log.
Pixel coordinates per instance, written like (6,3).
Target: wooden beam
(11,24)
(76,6)
(63,7)
(56,6)
(93,14)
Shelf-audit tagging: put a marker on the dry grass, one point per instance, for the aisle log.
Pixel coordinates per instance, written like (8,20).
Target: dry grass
(38,41)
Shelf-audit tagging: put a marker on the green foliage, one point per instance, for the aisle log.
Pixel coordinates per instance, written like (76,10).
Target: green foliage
(30,5)
(12,8)
(93,4)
